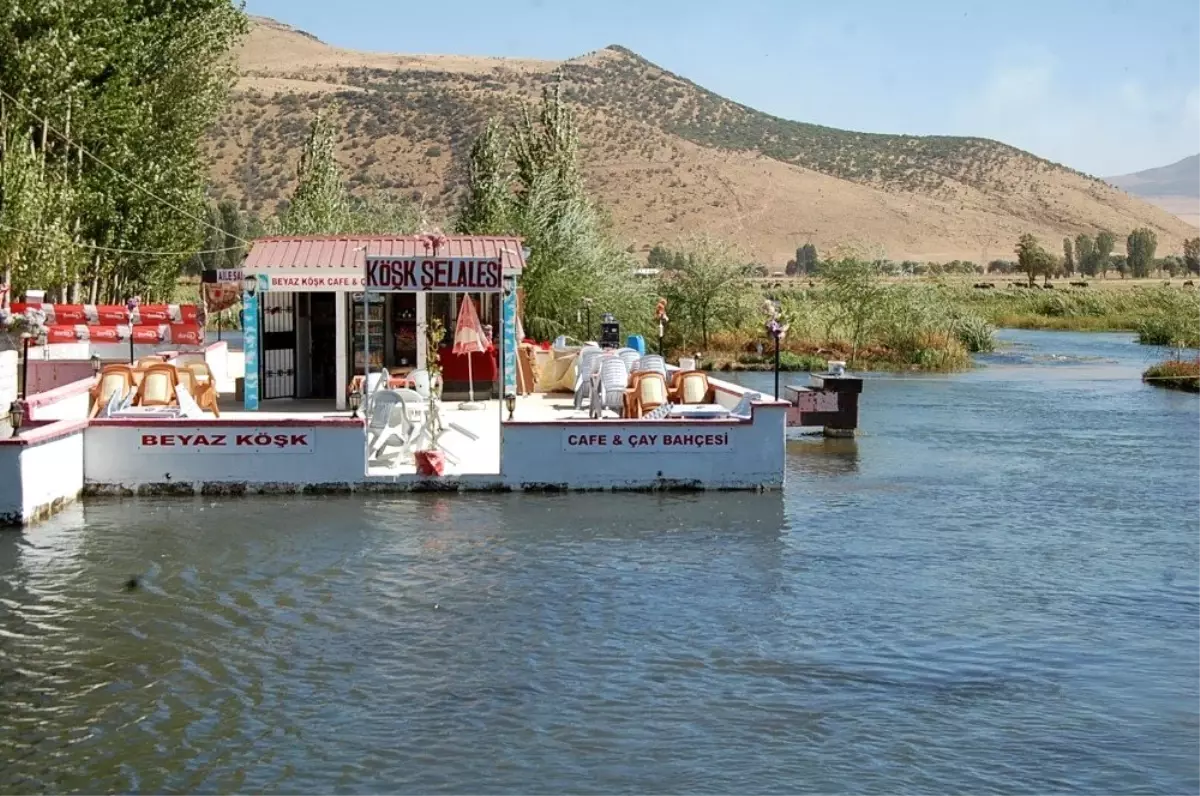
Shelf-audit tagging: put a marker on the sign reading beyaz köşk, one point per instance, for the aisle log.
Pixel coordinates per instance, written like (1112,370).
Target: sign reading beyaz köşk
(266,441)
(658,441)
(433,275)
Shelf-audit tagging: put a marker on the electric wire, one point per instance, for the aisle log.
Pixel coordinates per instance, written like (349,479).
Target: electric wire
(126,251)
(115,172)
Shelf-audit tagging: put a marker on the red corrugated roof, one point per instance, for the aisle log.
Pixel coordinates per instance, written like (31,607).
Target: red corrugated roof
(349,253)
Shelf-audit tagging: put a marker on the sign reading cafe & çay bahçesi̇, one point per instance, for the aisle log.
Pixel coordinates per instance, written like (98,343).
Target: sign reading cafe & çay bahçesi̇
(433,275)
(657,441)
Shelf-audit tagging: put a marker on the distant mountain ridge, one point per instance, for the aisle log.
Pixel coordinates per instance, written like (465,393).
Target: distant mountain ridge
(1175,187)
(664,156)
(1181,178)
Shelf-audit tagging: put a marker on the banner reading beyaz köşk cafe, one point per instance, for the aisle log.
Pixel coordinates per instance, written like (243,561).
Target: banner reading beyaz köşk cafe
(433,275)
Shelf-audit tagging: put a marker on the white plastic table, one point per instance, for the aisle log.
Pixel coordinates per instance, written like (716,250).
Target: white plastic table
(698,411)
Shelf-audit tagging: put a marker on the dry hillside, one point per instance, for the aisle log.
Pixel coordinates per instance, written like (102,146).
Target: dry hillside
(664,157)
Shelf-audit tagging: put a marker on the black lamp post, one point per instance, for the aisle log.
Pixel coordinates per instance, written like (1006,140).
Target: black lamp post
(660,313)
(25,338)
(587,331)
(95,360)
(355,402)
(775,334)
(776,330)
(130,305)
(510,403)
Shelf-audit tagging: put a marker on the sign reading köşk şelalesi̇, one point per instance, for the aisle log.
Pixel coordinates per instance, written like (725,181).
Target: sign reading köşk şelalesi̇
(434,275)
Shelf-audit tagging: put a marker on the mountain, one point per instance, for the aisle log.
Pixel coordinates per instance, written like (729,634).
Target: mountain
(665,157)
(1174,188)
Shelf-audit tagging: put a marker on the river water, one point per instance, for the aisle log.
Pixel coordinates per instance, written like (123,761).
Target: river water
(993,589)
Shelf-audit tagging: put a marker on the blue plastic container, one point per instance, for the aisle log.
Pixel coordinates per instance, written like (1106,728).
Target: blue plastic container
(637,343)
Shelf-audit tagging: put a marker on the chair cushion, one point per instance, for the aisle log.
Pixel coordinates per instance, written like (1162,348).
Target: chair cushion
(693,390)
(651,391)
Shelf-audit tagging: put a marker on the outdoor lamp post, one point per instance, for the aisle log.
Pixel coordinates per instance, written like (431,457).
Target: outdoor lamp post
(586,306)
(355,401)
(25,338)
(777,329)
(95,360)
(660,314)
(16,415)
(776,332)
(510,403)
(130,305)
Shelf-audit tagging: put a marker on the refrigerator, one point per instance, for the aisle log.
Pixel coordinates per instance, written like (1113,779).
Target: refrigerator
(371,327)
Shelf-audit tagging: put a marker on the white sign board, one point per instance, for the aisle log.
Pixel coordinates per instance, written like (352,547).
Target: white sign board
(434,275)
(658,440)
(224,440)
(337,281)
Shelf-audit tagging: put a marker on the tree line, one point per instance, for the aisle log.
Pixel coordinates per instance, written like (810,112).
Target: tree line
(1085,255)
(104,106)
(1089,255)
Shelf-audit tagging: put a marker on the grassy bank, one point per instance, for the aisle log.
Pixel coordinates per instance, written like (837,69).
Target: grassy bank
(1176,374)
(1161,315)
(930,325)
(907,327)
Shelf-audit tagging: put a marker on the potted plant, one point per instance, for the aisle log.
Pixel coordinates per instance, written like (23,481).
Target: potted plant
(431,460)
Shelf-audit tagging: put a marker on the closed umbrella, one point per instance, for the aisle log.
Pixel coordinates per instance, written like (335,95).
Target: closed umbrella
(469,339)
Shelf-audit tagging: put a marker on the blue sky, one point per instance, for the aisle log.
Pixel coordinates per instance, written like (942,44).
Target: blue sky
(1105,86)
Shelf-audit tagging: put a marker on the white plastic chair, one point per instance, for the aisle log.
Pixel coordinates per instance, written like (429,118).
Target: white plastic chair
(115,400)
(743,408)
(416,410)
(614,380)
(187,404)
(375,382)
(387,422)
(629,356)
(652,362)
(586,365)
(421,383)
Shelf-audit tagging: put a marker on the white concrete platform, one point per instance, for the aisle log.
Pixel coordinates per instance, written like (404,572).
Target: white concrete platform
(474,457)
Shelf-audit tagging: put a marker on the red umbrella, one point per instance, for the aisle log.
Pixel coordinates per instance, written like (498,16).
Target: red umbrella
(469,339)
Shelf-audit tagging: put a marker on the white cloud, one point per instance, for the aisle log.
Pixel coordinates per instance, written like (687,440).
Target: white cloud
(1132,97)
(1191,110)
(1118,129)
(1017,86)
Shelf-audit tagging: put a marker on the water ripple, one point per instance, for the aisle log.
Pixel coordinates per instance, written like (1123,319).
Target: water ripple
(995,589)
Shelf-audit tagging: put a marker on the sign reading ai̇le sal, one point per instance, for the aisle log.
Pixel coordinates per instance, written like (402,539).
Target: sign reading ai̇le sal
(658,441)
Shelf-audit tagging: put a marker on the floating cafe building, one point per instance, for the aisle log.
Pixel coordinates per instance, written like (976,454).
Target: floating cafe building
(338,388)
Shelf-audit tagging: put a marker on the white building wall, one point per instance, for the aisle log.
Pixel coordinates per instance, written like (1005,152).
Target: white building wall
(68,402)
(42,473)
(8,379)
(51,474)
(128,454)
(707,454)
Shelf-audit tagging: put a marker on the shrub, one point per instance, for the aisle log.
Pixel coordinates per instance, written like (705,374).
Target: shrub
(1176,374)
(975,333)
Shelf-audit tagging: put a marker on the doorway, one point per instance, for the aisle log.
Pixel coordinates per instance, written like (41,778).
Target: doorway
(278,365)
(324,345)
